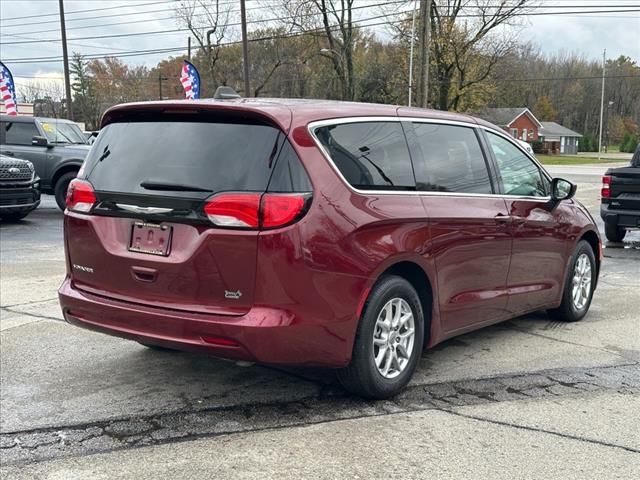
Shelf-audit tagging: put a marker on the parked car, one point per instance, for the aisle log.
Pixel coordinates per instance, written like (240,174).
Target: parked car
(526,146)
(19,188)
(56,148)
(620,205)
(317,233)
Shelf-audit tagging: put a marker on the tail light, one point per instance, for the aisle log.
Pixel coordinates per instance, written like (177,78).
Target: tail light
(234,210)
(281,209)
(80,196)
(606,187)
(255,210)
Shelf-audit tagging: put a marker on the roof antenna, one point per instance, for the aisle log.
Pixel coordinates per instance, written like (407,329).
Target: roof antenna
(225,93)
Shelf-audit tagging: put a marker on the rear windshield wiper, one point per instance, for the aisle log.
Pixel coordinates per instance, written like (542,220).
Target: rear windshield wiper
(171,187)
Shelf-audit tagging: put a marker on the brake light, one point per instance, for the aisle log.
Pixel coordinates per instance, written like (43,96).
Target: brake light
(254,210)
(80,196)
(281,209)
(234,210)
(606,187)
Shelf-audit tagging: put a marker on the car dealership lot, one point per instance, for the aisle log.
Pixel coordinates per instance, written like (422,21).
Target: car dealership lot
(526,398)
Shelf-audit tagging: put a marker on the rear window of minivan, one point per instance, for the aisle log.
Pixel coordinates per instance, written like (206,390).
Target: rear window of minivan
(199,158)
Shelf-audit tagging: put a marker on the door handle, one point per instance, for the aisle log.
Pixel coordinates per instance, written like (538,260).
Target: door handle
(502,218)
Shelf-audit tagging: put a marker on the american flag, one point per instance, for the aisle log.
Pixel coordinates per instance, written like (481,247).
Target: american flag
(8,91)
(190,80)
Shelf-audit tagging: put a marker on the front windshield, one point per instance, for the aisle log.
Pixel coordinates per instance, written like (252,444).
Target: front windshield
(63,132)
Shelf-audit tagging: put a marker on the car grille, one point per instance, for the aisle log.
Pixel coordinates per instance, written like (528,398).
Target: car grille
(24,172)
(8,202)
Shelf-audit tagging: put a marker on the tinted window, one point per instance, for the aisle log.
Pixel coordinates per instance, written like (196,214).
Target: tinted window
(520,176)
(19,133)
(370,155)
(453,160)
(210,156)
(289,175)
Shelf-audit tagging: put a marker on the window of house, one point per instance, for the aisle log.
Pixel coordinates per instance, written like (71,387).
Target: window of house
(514,132)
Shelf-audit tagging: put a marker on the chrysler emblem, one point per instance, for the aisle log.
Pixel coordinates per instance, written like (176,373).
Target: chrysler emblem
(14,170)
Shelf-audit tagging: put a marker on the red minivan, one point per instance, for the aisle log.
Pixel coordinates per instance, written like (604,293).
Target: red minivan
(317,233)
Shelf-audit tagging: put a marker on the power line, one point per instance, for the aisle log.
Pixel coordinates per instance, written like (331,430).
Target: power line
(173,17)
(40,15)
(177,30)
(128,14)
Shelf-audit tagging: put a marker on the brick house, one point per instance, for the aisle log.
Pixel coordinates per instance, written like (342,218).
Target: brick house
(519,122)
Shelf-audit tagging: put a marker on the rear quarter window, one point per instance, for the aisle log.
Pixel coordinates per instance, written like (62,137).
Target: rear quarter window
(369,155)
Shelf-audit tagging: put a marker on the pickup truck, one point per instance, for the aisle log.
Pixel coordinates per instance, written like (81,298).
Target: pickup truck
(54,146)
(620,207)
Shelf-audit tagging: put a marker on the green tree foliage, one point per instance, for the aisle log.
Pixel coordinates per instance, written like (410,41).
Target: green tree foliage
(544,110)
(85,105)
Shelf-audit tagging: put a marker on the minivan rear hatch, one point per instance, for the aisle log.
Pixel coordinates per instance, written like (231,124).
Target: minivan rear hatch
(147,238)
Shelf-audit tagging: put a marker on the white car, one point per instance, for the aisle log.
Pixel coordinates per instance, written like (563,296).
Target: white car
(526,146)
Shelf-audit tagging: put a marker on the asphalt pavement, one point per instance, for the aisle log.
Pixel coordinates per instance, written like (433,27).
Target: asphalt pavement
(528,398)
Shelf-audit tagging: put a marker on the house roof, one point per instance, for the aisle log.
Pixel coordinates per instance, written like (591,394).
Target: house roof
(553,129)
(504,117)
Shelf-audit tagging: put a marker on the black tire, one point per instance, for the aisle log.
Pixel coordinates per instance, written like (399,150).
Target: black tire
(13,217)
(362,376)
(614,233)
(60,189)
(568,311)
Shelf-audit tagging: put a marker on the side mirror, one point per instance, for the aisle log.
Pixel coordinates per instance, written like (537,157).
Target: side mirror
(562,189)
(38,141)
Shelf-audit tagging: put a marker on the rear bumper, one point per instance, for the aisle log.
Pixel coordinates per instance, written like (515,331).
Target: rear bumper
(621,218)
(264,335)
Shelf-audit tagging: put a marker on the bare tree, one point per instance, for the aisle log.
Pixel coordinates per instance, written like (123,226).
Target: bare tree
(467,43)
(332,22)
(208,22)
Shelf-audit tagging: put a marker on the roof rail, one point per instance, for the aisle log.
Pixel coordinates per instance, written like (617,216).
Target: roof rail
(225,93)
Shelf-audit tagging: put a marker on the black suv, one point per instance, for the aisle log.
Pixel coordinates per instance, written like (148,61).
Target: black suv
(19,188)
(56,148)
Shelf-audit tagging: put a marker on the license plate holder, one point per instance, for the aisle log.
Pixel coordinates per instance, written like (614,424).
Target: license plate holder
(151,238)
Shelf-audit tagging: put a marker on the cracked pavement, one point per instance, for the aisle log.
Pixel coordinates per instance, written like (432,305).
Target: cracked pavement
(528,398)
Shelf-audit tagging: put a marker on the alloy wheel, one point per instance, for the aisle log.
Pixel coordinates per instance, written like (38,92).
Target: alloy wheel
(393,338)
(581,289)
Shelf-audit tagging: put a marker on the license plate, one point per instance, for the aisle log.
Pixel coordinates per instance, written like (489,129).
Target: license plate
(150,238)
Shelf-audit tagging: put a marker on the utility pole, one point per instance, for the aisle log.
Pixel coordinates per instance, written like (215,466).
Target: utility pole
(160,79)
(245,49)
(65,58)
(189,48)
(425,33)
(604,62)
(413,38)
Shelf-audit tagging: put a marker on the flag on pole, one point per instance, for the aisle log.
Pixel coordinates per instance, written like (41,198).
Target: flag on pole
(190,80)
(8,91)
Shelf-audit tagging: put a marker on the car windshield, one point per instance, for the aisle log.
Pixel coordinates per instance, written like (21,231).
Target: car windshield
(63,132)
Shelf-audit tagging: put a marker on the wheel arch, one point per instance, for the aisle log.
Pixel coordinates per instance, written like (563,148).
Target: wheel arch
(68,167)
(593,239)
(419,279)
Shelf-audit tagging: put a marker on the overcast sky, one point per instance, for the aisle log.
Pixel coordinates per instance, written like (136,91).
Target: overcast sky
(587,35)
